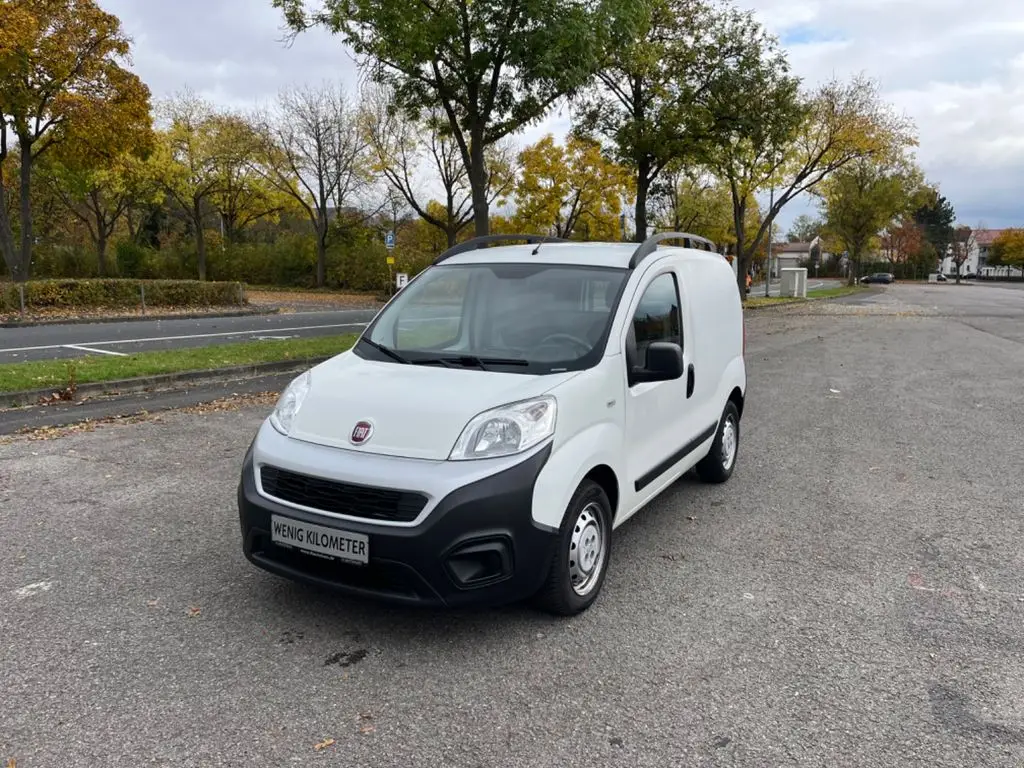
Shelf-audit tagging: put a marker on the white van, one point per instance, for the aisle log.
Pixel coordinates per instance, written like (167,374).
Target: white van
(498,419)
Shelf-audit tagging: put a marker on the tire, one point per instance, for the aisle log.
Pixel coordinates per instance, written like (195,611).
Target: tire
(718,465)
(587,529)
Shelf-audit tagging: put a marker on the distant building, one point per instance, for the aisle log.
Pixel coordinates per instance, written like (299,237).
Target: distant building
(978,256)
(788,255)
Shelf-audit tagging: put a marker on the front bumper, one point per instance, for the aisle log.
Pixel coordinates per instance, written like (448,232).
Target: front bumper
(477,546)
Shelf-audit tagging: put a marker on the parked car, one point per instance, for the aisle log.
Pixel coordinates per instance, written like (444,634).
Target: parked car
(879,277)
(500,417)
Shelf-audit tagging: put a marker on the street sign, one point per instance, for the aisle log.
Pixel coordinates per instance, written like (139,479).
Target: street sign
(401,279)
(391,260)
(389,239)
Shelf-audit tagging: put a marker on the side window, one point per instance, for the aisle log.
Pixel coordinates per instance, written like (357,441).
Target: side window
(656,317)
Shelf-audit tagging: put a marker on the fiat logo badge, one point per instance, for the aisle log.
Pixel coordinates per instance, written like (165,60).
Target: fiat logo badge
(361,432)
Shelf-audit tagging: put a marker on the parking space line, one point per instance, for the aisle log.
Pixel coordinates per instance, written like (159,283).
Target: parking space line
(98,351)
(252,332)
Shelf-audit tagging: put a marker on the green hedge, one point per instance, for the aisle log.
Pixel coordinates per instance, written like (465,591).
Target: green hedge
(114,293)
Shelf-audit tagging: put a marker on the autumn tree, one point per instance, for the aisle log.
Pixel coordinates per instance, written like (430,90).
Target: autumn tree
(187,160)
(1008,250)
(63,85)
(654,98)
(804,229)
(52,223)
(493,66)
(315,150)
(688,200)
(902,240)
(961,245)
(570,189)
(99,197)
(241,195)
(790,142)
(410,152)
(863,197)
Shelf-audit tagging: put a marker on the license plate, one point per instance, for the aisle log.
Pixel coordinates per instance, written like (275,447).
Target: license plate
(344,545)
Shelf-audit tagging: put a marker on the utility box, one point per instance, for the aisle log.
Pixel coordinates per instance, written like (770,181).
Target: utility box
(794,282)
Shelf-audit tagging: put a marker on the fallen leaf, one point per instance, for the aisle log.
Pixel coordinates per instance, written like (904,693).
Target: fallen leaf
(35,434)
(194,611)
(366,722)
(12,763)
(319,747)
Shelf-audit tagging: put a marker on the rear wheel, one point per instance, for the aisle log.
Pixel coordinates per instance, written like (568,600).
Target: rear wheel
(584,548)
(717,466)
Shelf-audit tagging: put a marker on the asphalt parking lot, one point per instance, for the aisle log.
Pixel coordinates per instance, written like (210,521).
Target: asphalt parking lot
(852,597)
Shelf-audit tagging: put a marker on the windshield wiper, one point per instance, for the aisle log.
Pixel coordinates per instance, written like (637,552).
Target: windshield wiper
(483,362)
(386,350)
(447,363)
(466,361)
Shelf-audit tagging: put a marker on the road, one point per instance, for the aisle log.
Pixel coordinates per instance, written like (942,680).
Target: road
(62,341)
(47,342)
(852,597)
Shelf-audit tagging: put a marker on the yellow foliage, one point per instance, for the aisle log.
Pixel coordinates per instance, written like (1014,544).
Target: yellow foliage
(570,190)
(1008,249)
(60,62)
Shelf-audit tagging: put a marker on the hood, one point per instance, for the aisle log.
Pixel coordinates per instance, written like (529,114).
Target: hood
(416,411)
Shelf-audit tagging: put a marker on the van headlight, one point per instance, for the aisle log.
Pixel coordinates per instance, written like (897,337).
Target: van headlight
(289,402)
(503,431)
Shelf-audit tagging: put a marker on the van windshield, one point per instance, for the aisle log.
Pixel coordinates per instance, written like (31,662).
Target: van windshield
(520,318)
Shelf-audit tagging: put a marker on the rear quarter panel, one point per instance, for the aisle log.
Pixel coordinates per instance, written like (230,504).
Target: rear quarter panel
(716,336)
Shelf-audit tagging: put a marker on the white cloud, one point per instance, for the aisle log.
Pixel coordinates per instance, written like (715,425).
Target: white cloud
(954,66)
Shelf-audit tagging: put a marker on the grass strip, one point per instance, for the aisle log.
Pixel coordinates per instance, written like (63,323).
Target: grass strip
(754,302)
(840,290)
(58,374)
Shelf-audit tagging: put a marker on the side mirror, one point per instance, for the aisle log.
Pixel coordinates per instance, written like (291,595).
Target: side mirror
(664,363)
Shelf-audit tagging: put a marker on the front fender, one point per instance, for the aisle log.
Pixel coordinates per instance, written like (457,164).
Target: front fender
(569,464)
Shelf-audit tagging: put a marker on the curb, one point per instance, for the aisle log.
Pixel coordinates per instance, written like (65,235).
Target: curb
(138,318)
(146,383)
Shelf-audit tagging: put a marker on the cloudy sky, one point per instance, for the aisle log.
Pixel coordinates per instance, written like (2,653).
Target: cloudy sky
(956,67)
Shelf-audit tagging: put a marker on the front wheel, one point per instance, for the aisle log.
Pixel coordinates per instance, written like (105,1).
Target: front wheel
(717,466)
(584,548)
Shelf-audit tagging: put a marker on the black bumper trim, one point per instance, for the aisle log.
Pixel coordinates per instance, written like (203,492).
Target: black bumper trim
(411,564)
(674,459)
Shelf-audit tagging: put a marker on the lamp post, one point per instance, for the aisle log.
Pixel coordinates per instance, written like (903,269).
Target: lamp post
(768,265)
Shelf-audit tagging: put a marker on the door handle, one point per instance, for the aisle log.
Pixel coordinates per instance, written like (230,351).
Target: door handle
(689,380)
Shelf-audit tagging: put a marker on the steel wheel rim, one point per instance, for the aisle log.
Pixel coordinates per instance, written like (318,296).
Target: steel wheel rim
(587,547)
(729,442)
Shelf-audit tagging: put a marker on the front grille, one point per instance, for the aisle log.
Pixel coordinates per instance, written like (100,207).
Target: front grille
(342,498)
(379,578)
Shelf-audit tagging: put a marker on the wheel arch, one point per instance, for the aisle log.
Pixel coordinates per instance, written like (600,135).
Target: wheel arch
(736,398)
(605,476)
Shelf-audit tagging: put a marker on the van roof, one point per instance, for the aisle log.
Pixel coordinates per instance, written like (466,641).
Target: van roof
(613,255)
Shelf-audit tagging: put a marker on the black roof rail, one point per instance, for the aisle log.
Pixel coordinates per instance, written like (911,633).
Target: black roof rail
(648,246)
(479,242)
